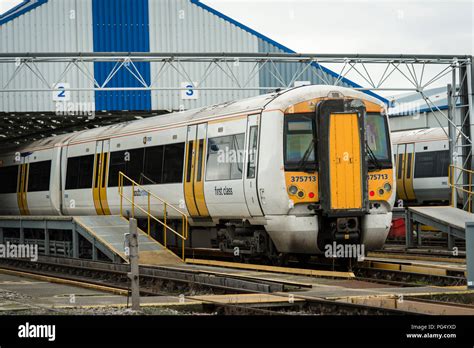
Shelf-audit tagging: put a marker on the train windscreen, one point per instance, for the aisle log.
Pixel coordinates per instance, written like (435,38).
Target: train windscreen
(377,136)
(299,143)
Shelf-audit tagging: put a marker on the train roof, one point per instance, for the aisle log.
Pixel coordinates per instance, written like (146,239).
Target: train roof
(276,100)
(416,135)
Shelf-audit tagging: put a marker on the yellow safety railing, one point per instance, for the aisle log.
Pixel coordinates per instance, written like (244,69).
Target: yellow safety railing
(166,206)
(464,187)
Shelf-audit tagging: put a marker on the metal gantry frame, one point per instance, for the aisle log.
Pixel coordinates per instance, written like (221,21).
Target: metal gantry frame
(411,71)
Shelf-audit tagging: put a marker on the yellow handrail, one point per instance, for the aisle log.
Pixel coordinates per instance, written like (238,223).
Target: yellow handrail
(454,186)
(184,218)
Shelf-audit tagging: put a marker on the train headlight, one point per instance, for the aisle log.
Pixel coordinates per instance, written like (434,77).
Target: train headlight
(301,194)
(381,192)
(387,187)
(293,189)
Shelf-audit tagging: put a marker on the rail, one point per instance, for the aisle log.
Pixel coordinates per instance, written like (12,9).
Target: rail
(166,206)
(460,186)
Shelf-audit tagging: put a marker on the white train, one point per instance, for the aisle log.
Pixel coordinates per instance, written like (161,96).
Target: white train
(422,163)
(286,172)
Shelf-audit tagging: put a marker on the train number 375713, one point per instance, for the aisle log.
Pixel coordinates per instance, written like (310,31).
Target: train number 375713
(378,176)
(301,178)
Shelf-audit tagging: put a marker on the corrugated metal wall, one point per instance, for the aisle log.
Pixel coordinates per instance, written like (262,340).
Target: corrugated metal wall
(135,25)
(121,26)
(56,26)
(180,26)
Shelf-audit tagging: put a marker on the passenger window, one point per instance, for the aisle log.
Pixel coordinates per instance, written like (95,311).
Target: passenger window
(431,164)
(409,166)
(39,176)
(153,165)
(117,164)
(199,165)
(9,179)
(400,166)
(79,172)
(189,161)
(173,163)
(252,161)
(225,157)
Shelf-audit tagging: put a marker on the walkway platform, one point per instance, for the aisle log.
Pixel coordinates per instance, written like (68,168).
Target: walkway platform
(110,230)
(447,219)
(105,233)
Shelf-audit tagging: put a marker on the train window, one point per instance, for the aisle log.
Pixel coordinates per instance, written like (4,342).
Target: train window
(135,164)
(431,164)
(299,145)
(117,164)
(173,163)
(39,174)
(377,136)
(400,166)
(97,169)
(225,157)
(9,179)
(443,163)
(251,165)
(410,155)
(153,165)
(79,172)
(189,161)
(199,164)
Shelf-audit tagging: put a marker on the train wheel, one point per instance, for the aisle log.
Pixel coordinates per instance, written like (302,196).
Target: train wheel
(280,260)
(303,259)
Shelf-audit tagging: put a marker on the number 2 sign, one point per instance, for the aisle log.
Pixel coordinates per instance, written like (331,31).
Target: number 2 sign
(61,92)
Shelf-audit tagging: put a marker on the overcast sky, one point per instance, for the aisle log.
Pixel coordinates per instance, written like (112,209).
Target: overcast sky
(360,26)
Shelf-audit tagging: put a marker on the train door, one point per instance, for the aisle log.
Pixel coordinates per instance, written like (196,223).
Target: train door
(341,150)
(22,186)
(250,178)
(405,168)
(225,168)
(195,162)
(100,178)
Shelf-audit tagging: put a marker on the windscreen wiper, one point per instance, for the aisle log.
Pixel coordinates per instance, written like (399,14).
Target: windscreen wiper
(303,162)
(372,157)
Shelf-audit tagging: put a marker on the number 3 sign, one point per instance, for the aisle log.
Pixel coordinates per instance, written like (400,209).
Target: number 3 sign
(189,92)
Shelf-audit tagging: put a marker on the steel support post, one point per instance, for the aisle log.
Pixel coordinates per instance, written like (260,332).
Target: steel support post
(418,234)
(450,239)
(22,233)
(470,254)
(75,242)
(465,117)
(94,250)
(408,230)
(47,247)
(134,270)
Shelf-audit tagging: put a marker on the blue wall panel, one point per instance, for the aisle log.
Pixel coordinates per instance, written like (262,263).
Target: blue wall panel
(121,26)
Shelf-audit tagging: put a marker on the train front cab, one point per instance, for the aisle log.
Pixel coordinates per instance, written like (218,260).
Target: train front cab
(329,175)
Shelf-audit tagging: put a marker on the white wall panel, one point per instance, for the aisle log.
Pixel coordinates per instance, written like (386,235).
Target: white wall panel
(56,26)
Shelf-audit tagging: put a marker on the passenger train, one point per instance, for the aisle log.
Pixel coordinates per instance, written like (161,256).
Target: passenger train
(282,173)
(422,163)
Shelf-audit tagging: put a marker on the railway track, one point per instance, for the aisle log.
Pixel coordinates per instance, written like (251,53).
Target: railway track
(163,281)
(391,272)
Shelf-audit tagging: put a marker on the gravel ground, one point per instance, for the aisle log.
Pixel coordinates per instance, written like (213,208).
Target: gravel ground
(28,307)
